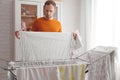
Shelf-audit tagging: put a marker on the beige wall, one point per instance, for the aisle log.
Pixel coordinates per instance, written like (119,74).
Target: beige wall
(6,35)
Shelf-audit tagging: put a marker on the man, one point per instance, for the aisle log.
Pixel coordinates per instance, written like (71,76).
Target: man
(47,23)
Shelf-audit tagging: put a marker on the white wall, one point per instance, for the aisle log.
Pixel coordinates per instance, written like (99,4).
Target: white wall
(70,15)
(70,22)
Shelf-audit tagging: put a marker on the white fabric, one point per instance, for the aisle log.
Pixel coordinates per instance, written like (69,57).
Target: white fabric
(102,63)
(73,72)
(77,45)
(46,46)
(63,72)
(37,73)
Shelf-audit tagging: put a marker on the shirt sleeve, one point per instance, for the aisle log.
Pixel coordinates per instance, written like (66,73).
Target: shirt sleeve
(60,30)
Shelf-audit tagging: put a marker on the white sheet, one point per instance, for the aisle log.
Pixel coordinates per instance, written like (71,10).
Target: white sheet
(63,72)
(46,46)
(37,73)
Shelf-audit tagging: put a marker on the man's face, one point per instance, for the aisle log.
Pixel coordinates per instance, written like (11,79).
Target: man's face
(49,11)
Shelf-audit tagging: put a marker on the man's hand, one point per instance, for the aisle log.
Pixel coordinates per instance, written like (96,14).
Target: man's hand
(17,34)
(74,36)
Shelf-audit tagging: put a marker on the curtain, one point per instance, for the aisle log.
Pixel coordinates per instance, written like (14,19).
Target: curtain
(101,25)
(85,21)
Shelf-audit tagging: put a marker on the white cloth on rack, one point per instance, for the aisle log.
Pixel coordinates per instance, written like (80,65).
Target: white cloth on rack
(36,73)
(63,72)
(73,72)
(102,63)
(46,46)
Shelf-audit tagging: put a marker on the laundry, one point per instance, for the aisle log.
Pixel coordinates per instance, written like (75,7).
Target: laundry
(98,62)
(73,72)
(46,71)
(46,46)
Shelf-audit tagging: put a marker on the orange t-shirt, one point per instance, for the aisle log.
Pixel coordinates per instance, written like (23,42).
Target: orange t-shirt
(42,24)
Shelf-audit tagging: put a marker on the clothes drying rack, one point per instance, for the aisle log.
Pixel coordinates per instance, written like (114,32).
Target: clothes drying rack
(13,65)
(81,59)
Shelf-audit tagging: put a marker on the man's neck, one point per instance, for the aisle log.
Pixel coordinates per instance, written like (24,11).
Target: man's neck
(48,18)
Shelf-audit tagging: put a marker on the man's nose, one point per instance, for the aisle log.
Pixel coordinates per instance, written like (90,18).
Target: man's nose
(48,12)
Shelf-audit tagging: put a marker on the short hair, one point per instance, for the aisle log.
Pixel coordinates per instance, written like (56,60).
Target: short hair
(48,2)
